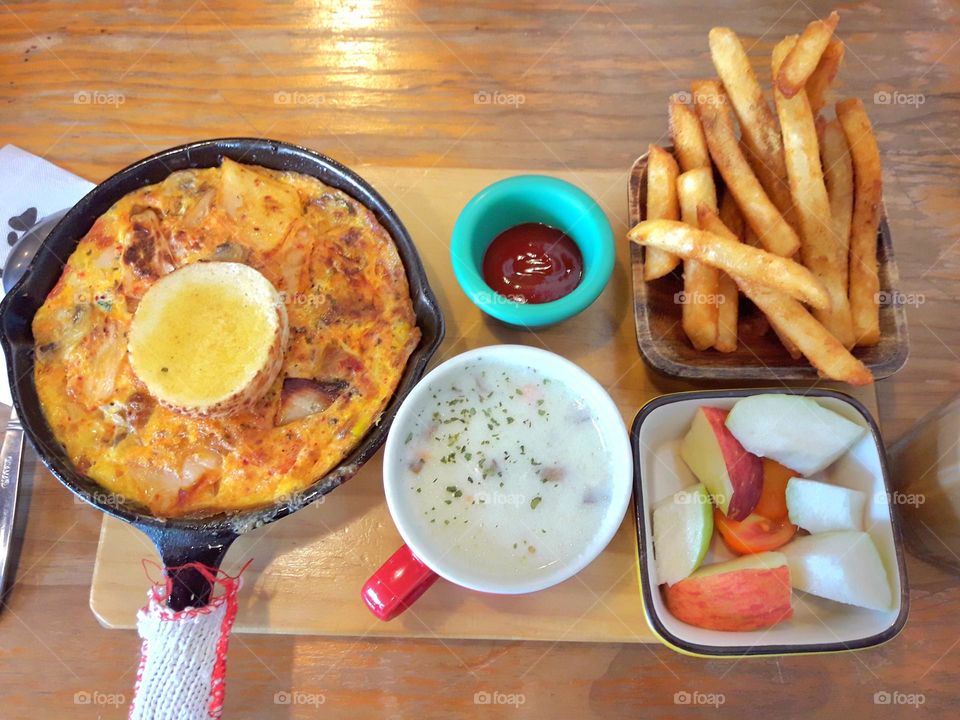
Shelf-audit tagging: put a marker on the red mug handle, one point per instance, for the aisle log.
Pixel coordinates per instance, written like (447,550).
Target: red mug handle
(399,582)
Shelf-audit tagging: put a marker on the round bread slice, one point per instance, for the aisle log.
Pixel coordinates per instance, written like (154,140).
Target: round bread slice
(208,339)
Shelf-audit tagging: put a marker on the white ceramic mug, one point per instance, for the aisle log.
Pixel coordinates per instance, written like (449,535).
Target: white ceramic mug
(412,569)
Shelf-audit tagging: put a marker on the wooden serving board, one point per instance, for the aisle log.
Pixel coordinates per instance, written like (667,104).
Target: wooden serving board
(759,355)
(307,569)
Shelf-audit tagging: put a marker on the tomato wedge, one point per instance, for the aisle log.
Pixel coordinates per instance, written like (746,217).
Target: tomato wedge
(773,496)
(754,534)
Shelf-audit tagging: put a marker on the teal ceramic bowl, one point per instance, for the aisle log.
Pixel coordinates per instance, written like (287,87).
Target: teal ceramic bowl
(525,199)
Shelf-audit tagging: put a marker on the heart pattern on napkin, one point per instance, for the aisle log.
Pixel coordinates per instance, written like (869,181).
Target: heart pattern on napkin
(21,223)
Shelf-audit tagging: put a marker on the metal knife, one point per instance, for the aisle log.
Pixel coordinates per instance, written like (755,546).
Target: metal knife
(10,455)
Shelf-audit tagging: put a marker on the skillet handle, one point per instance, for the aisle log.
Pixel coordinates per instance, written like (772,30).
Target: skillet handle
(179,550)
(183,657)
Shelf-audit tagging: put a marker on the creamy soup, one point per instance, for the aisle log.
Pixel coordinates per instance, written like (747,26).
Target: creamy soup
(506,469)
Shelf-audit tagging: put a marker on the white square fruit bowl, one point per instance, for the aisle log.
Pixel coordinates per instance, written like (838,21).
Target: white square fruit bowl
(818,625)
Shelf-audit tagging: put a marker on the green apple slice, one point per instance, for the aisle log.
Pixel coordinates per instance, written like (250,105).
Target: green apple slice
(682,529)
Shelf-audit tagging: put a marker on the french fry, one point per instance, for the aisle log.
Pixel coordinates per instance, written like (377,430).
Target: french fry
(751,239)
(819,82)
(867,207)
(699,281)
(662,204)
(728,302)
(821,253)
(791,319)
(803,59)
(696,188)
(733,66)
(730,215)
(838,176)
(774,231)
(761,135)
(688,142)
(734,258)
(797,326)
(701,288)
(728,298)
(733,221)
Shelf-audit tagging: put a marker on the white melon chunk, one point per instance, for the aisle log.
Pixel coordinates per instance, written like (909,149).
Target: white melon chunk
(843,565)
(821,507)
(795,431)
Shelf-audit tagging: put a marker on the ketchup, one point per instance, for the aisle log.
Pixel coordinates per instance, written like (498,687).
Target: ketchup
(533,263)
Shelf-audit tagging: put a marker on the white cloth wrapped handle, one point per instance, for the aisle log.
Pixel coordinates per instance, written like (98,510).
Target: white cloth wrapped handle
(183,656)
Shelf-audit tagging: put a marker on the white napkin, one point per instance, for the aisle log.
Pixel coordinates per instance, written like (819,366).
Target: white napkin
(30,189)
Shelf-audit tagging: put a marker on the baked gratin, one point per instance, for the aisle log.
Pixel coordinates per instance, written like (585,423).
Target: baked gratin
(276,322)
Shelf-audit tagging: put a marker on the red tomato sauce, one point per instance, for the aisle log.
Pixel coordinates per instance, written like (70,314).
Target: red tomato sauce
(533,263)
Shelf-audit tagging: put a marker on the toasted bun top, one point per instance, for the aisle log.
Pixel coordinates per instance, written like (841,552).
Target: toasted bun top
(204,337)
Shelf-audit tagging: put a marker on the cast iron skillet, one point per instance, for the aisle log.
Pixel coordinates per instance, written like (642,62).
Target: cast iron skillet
(197,539)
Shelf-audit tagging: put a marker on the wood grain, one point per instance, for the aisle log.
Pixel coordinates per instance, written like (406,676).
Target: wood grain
(394,83)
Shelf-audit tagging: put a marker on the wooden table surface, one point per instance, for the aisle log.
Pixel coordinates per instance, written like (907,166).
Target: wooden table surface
(95,85)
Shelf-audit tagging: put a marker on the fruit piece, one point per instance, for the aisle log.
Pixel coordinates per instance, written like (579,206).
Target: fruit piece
(755,534)
(682,529)
(821,507)
(733,476)
(793,430)
(748,593)
(843,565)
(208,339)
(773,497)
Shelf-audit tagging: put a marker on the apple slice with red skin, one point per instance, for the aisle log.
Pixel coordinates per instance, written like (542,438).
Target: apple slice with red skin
(733,476)
(749,593)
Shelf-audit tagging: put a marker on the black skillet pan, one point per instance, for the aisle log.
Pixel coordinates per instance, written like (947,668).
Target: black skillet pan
(197,539)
